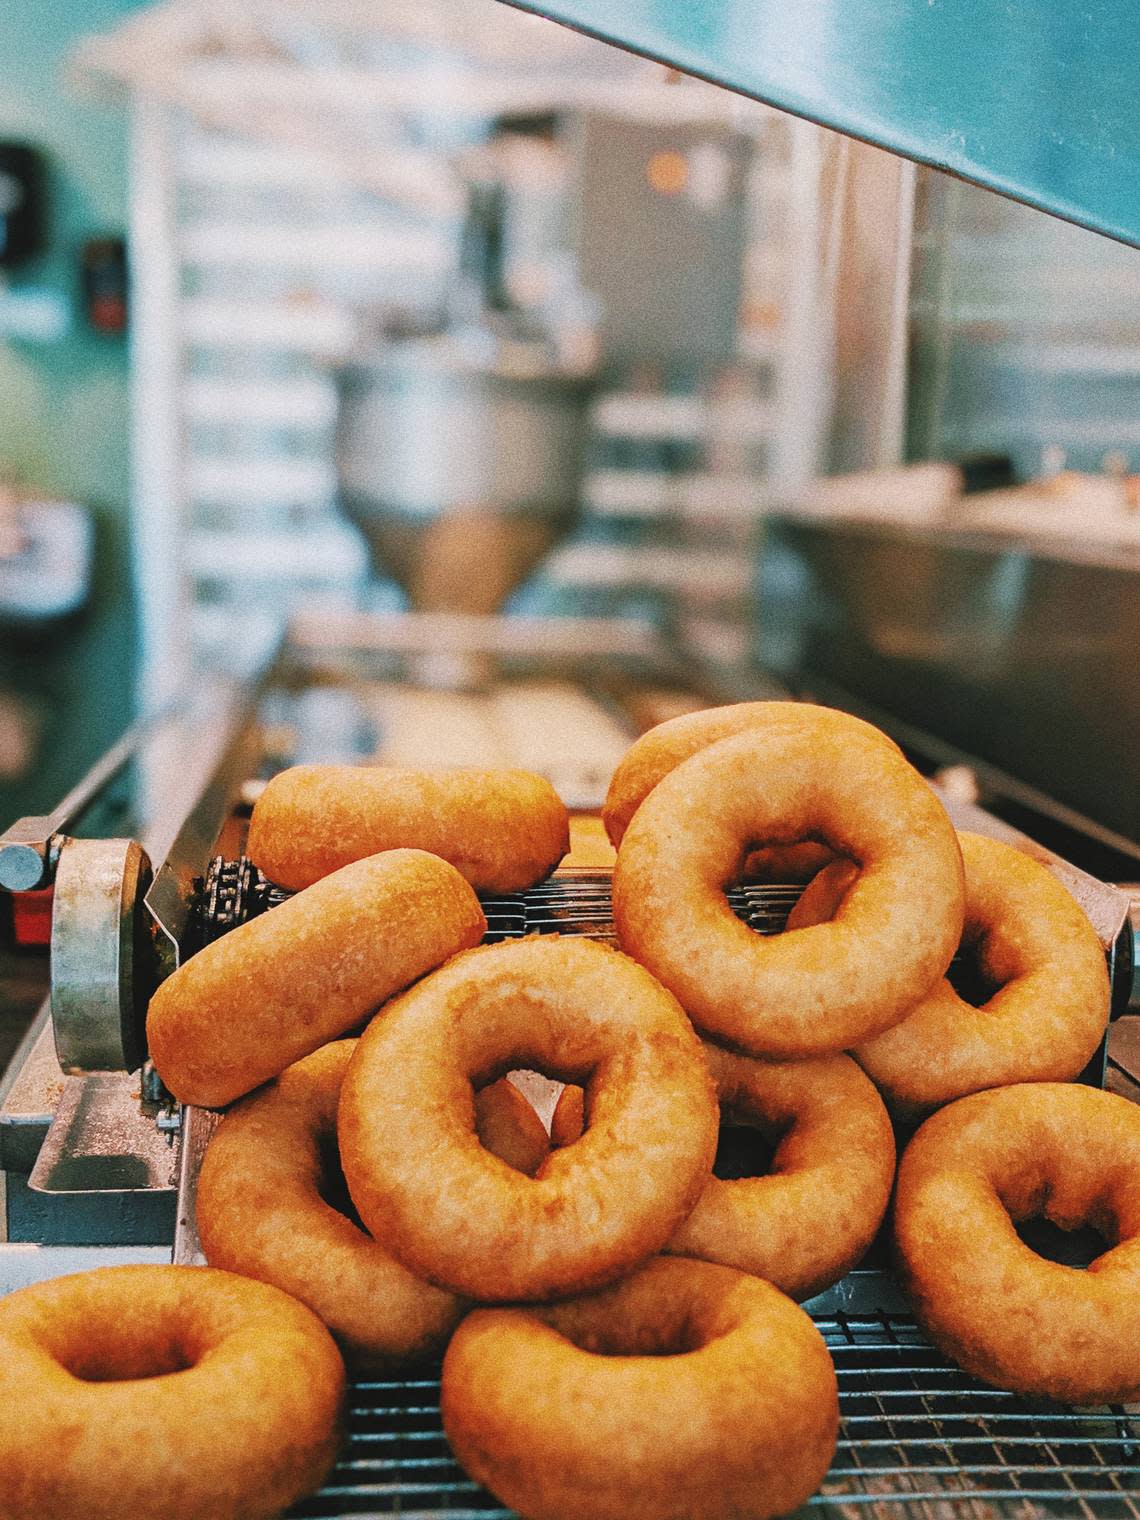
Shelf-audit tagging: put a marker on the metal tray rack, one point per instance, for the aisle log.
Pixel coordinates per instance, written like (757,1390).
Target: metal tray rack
(919,1439)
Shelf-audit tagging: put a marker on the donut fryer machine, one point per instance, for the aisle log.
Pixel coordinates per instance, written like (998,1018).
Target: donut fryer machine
(111,1174)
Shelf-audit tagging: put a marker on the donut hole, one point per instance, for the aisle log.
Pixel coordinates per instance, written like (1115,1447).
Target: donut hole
(133,1358)
(968,977)
(745,1150)
(674,1336)
(1078,1247)
(331,1186)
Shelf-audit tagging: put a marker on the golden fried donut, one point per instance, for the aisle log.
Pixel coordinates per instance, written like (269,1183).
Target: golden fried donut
(810,1220)
(808,991)
(569,1117)
(279,986)
(686,1392)
(1006,1314)
(460,1217)
(663,748)
(262,1211)
(509,1128)
(502,830)
(1033,944)
(787,862)
(174,1391)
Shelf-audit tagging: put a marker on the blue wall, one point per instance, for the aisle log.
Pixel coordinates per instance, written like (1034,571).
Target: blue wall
(63,403)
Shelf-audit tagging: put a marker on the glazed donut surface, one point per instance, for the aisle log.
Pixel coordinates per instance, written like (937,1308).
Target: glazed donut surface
(810,1220)
(1034,945)
(580,1409)
(277,987)
(1001,1310)
(502,830)
(174,1391)
(461,1218)
(808,991)
(663,748)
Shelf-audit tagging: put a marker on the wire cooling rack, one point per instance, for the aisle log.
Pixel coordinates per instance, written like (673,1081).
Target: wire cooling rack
(918,1440)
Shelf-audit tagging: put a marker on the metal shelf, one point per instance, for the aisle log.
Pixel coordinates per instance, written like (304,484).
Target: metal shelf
(919,1440)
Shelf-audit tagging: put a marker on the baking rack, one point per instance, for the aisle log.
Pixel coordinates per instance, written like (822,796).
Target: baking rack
(919,1439)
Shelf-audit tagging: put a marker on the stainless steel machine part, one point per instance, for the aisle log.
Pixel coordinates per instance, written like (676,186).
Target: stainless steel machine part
(29,848)
(461,522)
(1020,652)
(100,963)
(1031,100)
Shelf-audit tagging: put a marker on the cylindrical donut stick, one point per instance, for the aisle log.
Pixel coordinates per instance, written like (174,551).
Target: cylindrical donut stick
(156,1390)
(1049,998)
(809,991)
(663,748)
(986,1163)
(277,987)
(810,1219)
(458,1216)
(583,1409)
(502,830)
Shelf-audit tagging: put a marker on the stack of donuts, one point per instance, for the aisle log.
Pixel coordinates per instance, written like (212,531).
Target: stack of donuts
(620,1326)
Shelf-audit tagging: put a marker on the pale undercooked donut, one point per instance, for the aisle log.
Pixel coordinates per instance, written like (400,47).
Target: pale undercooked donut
(1062,1151)
(267,1208)
(810,1220)
(173,1391)
(461,1218)
(663,748)
(1033,945)
(686,1392)
(279,986)
(502,830)
(808,991)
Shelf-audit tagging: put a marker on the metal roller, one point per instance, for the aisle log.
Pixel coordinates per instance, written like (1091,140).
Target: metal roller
(101,957)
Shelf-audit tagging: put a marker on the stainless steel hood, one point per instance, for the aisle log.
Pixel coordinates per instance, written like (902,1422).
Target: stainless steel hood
(1036,99)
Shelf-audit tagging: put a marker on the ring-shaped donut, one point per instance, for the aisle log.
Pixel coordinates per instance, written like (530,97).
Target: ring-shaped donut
(461,1218)
(266,1208)
(661,749)
(312,968)
(975,1169)
(503,830)
(808,991)
(1033,945)
(807,1222)
(174,1391)
(581,1408)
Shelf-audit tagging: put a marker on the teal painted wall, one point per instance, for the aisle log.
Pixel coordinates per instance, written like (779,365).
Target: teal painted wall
(63,404)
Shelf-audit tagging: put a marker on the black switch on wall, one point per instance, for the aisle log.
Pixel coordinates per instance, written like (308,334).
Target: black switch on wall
(21,203)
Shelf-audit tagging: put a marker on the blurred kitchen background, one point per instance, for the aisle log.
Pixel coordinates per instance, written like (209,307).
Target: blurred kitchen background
(332,312)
